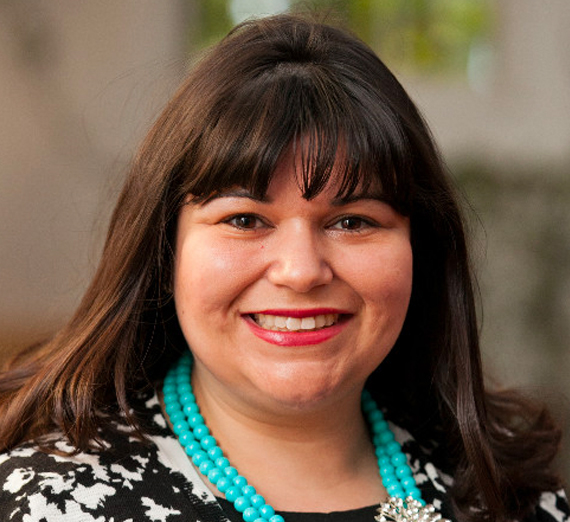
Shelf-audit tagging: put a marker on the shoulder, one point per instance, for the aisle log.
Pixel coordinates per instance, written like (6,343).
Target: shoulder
(435,480)
(125,479)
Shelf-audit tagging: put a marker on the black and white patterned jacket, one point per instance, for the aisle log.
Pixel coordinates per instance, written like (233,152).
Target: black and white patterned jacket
(130,481)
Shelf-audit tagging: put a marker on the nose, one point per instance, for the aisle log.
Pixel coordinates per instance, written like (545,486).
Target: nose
(299,260)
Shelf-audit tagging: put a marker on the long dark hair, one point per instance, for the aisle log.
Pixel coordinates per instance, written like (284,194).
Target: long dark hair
(268,84)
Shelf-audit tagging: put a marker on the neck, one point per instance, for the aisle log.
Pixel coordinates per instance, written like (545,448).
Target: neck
(325,451)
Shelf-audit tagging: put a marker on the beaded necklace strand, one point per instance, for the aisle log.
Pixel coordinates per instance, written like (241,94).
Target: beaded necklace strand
(194,436)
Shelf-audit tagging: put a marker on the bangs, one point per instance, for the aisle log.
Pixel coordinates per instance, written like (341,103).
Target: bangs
(331,123)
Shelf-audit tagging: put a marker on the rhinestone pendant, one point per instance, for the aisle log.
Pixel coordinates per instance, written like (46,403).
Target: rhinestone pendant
(409,510)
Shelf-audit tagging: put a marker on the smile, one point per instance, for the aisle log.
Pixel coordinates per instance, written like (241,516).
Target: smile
(280,323)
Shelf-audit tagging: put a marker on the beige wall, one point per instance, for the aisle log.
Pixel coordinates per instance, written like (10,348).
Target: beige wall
(79,84)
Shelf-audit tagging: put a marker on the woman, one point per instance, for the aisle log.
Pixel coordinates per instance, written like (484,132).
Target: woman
(289,223)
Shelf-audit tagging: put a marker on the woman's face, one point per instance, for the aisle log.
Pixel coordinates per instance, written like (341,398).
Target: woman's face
(286,302)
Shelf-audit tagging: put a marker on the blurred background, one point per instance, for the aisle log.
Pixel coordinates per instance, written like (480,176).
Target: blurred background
(80,82)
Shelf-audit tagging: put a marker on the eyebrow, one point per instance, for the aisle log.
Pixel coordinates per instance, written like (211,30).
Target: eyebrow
(238,193)
(353,198)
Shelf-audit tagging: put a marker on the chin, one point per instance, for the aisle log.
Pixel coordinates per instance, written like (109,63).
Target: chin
(297,394)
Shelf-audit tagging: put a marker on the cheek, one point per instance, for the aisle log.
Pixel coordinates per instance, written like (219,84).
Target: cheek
(208,277)
(385,277)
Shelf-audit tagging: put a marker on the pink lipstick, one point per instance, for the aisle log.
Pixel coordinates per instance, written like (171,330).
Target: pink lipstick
(297,327)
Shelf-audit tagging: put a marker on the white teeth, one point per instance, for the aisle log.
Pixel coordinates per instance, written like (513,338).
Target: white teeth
(308,323)
(268,321)
(294,324)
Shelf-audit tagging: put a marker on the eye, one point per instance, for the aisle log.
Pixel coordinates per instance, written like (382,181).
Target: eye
(353,223)
(245,221)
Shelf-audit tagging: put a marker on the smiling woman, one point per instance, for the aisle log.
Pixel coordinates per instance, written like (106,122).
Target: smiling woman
(285,290)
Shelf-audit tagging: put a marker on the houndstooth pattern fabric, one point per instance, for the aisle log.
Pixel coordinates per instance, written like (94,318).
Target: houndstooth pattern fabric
(131,481)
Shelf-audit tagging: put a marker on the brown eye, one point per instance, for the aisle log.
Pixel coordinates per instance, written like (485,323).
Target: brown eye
(245,222)
(351,223)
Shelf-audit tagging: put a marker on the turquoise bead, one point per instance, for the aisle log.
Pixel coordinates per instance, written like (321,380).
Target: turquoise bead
(375,416)
(195,420)
(415,493)
(390,480)
(206,466)
(385,437)
(266,511)
(250,514)
(232,493)
(392,447)
(396,491)
(230,472)
(394,487)
(399,459)
(176,416)
(208,442)
(388,469)
(223,484)
(186,438)
(168,388)
(380,452)
(380,426)
(170,398)
(190,409)
(214,475)
(200,431)
(276,518)
(408,482)
(222,463)
(239,481)
(403,471)
(384,460)
(180,427)
(257,501)
(199,457)
(171,408)
(187,399)
(215,453)
(247,490)
(242,503)
(193,448)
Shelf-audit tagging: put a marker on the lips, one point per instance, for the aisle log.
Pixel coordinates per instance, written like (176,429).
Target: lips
(297,327)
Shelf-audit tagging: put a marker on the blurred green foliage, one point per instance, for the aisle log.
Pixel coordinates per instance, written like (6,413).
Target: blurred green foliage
(413,36)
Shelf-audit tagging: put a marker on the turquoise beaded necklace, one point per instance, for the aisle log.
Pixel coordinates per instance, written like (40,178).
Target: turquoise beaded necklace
(195,437)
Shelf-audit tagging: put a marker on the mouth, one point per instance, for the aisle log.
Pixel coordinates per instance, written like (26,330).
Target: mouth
(295,327)
(282,323)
